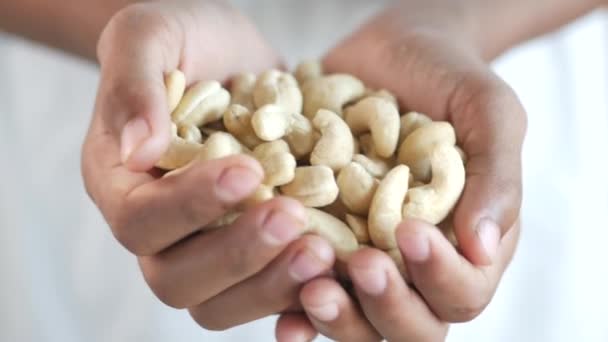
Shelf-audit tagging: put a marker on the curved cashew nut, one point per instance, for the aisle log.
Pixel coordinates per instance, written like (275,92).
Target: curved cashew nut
(331,92)
(203,103)
(411,122)
(383,94)
(190,133)
(335,146)
(359,227)
(313,186)
(357,188)
(279,165)
(381,118)
(237,120)
(180,151)
(272,122)
(385,211)
(278,88)
(336,232)
(241,88)
(262,194)
(220,145)
(175,84)
(433,202)
(308,70)
(415,151)
(374,166)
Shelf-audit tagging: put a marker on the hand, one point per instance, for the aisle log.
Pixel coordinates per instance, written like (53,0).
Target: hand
(422,52)
(215,273)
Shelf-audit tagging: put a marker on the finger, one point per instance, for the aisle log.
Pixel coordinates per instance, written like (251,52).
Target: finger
(490,123)
(334,314)
(147,218)
(454,289)
(294,327)
(204,265)
(135,51)
(396,311)
(276,287)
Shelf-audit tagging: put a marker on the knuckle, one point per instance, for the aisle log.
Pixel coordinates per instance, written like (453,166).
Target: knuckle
(120,222)
(157,277)
(465,311)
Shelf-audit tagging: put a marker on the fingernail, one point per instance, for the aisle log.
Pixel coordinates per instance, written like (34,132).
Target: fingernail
(489,235)
(325,313)
(281,227)
(236,183)
(311,262)
(370,280)
(135,132)
(415,247)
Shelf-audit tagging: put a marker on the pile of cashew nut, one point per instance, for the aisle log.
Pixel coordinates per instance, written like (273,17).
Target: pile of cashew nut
(343,150)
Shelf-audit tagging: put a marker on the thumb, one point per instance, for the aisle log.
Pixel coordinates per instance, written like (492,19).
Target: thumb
(491,125)
(132,97)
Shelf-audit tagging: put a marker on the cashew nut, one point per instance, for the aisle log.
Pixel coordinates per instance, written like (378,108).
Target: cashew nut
(190,133)
(313,186)
(272,122)
(175,84)
(381,118)
(262,194)
(336,232)
(179,153)
(308,70)
(359,227)
(220,145)
(278,88)
(279,165)
(203,103)
(237,120)
(241,89)
(357,188)
(433,202)
(383,94)
(417,147)
(330,92)
(385,210)
(411,122)
(376,167)
(335,146)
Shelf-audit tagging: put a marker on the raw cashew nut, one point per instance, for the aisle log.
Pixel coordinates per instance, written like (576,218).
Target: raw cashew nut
(415,151)
(190,133)
(385,211)
(241,89)
(381,118)
(411,122)
(357,188)
(433,202)
(308,70)
(278,88)
(279,165)
(175,84)
(220,145)
(237,120)
(203,103)
(272,122)
(336,232)
(376,167)
(335,146)
(383,94)
(313,186)
(262,194)
(331,92)
(179,153)
(359,227)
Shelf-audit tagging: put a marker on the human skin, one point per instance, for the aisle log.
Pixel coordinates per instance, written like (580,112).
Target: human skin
(432,54)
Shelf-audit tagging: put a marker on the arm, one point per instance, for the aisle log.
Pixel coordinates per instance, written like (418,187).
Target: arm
(72,25)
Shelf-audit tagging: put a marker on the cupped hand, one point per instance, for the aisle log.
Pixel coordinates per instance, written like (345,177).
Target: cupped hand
(159,219)
(430,60)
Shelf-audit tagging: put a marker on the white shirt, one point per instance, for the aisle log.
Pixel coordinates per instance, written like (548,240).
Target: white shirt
(64,277)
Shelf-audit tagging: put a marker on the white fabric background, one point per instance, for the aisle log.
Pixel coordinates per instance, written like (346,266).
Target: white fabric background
(64,278)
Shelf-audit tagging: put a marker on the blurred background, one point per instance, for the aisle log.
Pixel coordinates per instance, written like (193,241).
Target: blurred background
(64,278)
